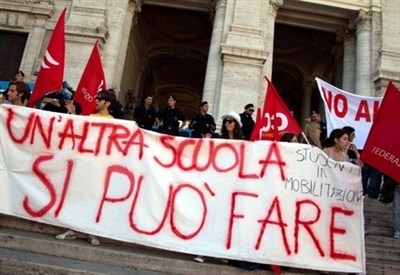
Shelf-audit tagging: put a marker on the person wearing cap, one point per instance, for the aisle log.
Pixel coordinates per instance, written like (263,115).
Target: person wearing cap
(168,118)
(231,129)
(202,123)
(60,102)
(247,120)
(231,126)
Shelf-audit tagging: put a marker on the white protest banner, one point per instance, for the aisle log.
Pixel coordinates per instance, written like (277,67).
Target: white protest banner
(266,202)
(347,109)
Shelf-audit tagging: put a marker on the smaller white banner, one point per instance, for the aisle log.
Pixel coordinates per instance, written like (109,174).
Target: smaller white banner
(347,109)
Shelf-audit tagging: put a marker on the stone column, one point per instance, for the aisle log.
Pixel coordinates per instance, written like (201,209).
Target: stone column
(338,53)
(363,67)
(269,29)
(306,99)
(349,61)
(33,47)
(117,14)
(134,7)
(243,57)
(214,63)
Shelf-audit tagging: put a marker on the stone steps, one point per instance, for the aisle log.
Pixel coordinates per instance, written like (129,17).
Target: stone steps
(382,251)
(126,256)
(21,262)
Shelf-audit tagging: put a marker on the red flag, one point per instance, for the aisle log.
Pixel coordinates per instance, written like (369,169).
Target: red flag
(91,82)
(51,72)
(382,150)
(276,118)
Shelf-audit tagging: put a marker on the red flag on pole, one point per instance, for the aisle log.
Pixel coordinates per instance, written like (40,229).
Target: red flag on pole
(51,72)
(382,150)
(276,118)
(91,82)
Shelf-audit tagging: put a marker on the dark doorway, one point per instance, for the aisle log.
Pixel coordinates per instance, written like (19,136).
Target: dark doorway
(175,45)
(300,55)
(12,46)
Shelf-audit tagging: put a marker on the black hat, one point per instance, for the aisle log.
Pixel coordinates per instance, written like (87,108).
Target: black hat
(250,105)
(20,72)
(203,103)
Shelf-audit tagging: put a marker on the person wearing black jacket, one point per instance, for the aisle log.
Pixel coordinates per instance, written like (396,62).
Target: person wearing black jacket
(168,118)
(145,114)
(202,123)
(247,120)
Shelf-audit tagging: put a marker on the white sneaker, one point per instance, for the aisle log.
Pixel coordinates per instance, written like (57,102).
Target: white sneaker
(199,259)
(93,240)
(67,235)
(396,234)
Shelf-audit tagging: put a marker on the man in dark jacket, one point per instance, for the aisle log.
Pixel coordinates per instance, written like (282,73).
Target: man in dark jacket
(202,123)
(145,114)
(247,120)
(168,118)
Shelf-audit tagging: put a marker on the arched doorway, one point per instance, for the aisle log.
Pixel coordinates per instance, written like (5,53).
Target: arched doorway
(300,55)
(167,54)
(308,43)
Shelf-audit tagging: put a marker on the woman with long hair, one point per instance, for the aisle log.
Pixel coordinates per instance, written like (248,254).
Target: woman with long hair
(231,129)
(312,131)
(352,151)
(231,126)
(337,144)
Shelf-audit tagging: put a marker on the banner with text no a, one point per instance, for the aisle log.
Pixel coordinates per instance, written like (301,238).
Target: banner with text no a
(347,109)
(266,202)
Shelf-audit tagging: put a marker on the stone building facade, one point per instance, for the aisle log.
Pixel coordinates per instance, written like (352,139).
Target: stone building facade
(214,50)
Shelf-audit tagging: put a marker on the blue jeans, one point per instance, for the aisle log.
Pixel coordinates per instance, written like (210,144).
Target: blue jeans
(371,181)
(396,207)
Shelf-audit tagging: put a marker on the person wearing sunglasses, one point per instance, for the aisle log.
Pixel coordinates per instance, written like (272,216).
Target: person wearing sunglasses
(231,126)
(231,129)
(105,100)
(247,120)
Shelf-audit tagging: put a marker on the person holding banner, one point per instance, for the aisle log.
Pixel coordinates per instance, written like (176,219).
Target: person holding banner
(231,126)
(105,100)
(202,123)
(336,145)
(352,151)
(168,118)
(145,114)
(231,129)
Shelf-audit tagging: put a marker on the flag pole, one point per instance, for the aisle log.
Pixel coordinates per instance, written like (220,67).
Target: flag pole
(304,136)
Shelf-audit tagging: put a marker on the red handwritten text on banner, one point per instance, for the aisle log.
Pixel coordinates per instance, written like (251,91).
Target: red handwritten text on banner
(264,202)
